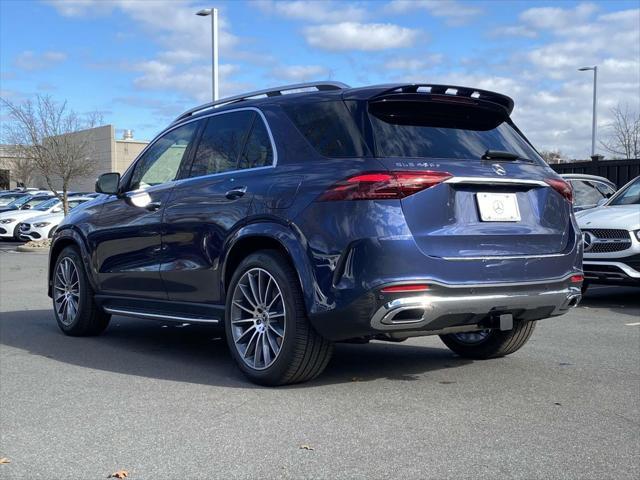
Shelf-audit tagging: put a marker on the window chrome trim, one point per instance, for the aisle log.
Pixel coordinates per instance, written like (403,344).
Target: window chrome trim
(495,181)
(172,127)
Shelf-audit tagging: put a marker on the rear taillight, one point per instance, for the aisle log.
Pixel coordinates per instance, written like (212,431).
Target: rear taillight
(413,287)
(576,278)
(383,185)
(562,187)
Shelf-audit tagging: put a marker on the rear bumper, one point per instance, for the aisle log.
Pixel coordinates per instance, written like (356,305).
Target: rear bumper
(446,307)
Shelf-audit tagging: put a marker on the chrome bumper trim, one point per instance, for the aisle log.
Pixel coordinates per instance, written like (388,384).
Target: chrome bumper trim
(434,306)
(155,316)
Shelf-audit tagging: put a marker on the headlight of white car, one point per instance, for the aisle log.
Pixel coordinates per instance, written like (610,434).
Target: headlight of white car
(7,220)
(41,224)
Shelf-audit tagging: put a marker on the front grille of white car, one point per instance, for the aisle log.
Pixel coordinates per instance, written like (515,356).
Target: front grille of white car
(606,240)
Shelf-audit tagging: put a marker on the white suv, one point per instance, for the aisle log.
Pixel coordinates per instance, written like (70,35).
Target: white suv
(611,235)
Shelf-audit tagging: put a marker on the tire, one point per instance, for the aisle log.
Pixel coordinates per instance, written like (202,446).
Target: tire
(292,351)
(16,233)
(584,288)
(495,343)
(88,319)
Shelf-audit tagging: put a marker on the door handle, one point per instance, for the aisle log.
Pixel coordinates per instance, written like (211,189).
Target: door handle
(153,206)
(236,193)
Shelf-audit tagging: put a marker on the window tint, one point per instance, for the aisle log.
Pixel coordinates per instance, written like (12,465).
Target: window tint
(161,162)
(329,127)
(221,143)
(43,203)
(257,151)
(586,193)
(431,130)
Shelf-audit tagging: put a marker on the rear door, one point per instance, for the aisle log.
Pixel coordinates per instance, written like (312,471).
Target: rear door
(127,235)
(212,202)
(488,206)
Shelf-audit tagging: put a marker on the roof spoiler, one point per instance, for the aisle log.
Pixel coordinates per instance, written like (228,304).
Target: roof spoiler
(443,91)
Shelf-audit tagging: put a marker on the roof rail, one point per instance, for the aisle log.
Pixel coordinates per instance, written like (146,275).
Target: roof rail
(453,90)
(267,92)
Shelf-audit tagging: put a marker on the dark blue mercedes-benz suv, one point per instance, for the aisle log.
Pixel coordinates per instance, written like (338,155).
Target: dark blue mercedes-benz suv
(298,216)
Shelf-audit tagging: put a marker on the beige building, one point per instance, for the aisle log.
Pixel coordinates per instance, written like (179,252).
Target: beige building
(108,153)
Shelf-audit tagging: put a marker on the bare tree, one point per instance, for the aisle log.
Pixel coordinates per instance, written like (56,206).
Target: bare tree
(49,134)
(623,139)
(552,156)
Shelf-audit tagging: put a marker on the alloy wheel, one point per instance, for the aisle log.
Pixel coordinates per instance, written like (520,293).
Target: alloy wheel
(66,291)
(472,337)
(258,318)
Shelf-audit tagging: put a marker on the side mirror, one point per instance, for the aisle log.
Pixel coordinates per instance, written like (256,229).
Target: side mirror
(56,210)
(108,183)
(602,201)
(25,207)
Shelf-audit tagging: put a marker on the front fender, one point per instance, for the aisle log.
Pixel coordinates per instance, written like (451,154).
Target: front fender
(63,237)
(292,241)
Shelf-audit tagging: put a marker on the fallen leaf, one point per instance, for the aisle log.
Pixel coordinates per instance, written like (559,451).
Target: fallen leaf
(306,447)
(119,474)
(4,461)
(557,403)
(446,382)
(355,379)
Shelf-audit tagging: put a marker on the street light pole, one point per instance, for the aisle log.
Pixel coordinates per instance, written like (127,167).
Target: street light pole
(594,125)
(213,12)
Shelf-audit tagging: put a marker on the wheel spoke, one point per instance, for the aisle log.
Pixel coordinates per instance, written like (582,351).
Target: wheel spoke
(266,354)
(249,343)
(274,330)
(243,308)
(275,348)
(246,295)
(245,334)
(252,285)
(278,295)
(243,320)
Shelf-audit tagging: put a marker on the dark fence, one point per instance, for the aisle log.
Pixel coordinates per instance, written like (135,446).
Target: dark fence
(618,171)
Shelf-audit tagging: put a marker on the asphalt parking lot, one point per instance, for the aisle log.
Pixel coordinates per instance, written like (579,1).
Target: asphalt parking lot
(163,401)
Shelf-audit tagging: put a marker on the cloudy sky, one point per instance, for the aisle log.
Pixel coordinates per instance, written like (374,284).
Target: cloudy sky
(142,62)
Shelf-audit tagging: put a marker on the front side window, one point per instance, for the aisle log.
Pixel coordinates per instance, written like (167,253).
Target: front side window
(161,162)
(221,143)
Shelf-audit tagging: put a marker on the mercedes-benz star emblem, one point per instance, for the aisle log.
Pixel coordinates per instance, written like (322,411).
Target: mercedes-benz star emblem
(498,207)
(588,239)
(499,169)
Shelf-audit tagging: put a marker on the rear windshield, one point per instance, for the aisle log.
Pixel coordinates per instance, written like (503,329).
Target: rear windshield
(439,130)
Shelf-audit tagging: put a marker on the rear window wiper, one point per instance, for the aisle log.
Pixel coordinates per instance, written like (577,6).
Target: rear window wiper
(502,155)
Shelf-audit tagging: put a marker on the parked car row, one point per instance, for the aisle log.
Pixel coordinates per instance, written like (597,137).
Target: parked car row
(39,220)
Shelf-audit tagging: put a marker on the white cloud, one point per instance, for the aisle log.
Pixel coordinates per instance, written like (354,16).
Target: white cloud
(360,36)
(300,73)
(29,60)
(454,12)
(405,65)
(314,10)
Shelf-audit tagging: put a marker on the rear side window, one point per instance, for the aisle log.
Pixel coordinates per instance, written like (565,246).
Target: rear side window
(257,151)
(586,193)
(329,128)
(221,143)
(421,129)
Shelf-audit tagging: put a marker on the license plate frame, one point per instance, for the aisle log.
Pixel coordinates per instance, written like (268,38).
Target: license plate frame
(498,207)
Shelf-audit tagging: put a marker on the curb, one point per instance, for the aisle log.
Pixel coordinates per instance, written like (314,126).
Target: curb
(21,248)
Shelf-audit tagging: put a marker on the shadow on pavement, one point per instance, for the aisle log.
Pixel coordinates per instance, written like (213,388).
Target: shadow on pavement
(199,354)
(621,300)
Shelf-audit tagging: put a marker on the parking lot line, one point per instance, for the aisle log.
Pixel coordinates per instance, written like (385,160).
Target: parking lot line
(636,324)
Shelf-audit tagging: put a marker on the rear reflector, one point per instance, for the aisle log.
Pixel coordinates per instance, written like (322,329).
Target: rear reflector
(383,185)
(562,187)
(576,278)
(405,288)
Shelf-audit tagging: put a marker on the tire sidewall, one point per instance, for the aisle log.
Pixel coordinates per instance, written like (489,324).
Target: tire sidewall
(271,263)
(74,256)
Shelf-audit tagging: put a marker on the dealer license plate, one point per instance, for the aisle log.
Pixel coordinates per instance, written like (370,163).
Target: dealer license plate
(498,207)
